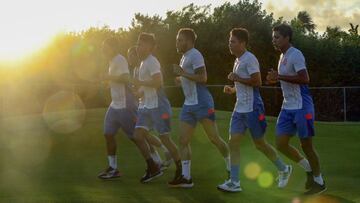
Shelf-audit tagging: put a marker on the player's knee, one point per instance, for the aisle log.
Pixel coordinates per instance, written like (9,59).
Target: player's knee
(165,139)
(183,141)
(214,140)
(281,146)
(138,135)
(307,148)
(234,142)
(261,146)
(306,144)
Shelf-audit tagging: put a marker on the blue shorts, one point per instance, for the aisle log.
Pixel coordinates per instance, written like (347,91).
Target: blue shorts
(120,118)
(158,119)
(254,120)
(299,121)
(191,114)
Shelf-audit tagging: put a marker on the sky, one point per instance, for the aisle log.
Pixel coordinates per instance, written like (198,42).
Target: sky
(28,25)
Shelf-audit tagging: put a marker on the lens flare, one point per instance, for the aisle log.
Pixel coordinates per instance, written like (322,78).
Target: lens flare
(265,179)
(322,199)
(64,112)
(252,170)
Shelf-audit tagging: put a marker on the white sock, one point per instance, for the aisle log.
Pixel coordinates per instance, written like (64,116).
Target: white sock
(304,163)
(112,161)
(227,163)
(319,179)
(156,157)
(186,169)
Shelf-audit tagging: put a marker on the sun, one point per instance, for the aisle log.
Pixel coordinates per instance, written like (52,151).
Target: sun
(16,45)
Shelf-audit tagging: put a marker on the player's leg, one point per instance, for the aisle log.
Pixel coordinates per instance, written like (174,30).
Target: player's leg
(212,132)
(143,125)
(153,142)
(285,129)
(110,129)
(257,125)
(305,127)
(233,183)
(187,126)
(161,118)
(186,133)
(174,152)
(237,130)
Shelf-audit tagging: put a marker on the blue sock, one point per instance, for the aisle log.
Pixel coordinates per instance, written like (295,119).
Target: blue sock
(280,165)
(234,173)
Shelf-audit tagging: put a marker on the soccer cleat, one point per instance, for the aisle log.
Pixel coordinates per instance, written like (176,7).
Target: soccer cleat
(181,182)
(109,173)
(284,177)
(230,186)
(316,189)
(148,176)
(309,180)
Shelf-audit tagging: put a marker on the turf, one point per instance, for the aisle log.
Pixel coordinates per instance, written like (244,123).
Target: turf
(40,165)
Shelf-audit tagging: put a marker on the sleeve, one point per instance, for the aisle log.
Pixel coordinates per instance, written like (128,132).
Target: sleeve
(253,66)
(299,61)
(154,67)
(120,66)
(198,61)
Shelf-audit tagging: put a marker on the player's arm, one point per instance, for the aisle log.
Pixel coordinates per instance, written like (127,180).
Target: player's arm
(123,78)
(199,76)
(254,80)
(302,78)
(155,82)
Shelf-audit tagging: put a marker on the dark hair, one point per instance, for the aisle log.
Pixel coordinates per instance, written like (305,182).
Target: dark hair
(284,30)
(148,38)
(113,43)
(241,34)
(188,33)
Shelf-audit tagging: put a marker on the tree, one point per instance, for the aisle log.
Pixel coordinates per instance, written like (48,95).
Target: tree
(304,22)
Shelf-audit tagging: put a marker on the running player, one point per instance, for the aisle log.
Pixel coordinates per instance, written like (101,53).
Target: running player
(153,141)
(297,112)
(121,113)
(198,105)
(248,112)
(154,110)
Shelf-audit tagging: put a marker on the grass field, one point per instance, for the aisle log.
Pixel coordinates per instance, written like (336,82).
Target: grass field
(38,165)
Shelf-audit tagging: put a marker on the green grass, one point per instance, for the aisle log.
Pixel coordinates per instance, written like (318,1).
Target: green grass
(38,165)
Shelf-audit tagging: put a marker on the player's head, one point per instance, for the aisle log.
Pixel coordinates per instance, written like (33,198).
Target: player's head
(281,36)
(239,37)
(185,39)
(145,45)
(133,58)
(110,47)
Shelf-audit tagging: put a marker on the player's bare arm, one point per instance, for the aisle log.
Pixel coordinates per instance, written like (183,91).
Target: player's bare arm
(254,80)
(155,82)
(200,75)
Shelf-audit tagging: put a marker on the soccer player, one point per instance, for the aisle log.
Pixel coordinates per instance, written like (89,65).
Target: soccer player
(248,112)
(153,141)
(297,112)
(121,113)
(154,111)
(198,105)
